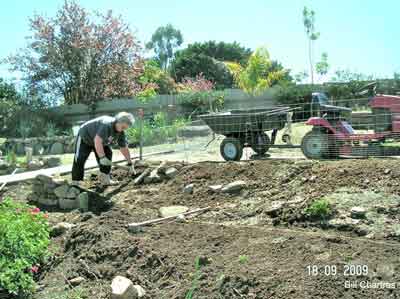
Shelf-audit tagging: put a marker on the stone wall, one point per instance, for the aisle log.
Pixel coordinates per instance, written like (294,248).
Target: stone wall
(41,145)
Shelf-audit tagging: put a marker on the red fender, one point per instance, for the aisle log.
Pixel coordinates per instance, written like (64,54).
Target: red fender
(320,122)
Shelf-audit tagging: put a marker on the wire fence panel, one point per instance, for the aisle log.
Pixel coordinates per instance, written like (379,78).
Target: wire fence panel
(316,129)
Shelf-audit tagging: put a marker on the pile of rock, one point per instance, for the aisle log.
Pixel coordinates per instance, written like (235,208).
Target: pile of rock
(56,145)
(54,192)
(160,173)
(46,162)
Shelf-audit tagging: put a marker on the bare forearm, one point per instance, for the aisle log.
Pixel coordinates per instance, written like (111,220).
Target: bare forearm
(125,152)
(98,145)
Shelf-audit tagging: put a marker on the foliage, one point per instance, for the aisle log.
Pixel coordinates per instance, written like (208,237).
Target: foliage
(312,35)
(257,75)
(243,259)
(24,241)
(79,56)
(155,131)
(322,66)
(163,42)
(207,58)
(196,278)
(153,74)
(147,94)
(320,209)
(199,96)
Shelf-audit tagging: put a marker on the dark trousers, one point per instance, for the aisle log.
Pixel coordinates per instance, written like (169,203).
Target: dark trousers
(82,152)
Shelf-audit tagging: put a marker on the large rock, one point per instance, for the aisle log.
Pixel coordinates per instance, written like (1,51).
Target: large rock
(171,172)
(44,178)
(188,189)
(122,288)
(83,200)
(61,191)
(234,187)
(49,202)
(358,212)
(68,204)
(61,228)
(57,148)
(172,211)
(3,165)
(140,291)
(35,165)
(52,161)
(73,192)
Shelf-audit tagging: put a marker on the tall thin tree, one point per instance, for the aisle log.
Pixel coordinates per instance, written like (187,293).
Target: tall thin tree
(312,35)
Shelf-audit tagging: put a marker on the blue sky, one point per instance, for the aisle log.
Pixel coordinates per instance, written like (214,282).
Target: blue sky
(362,36)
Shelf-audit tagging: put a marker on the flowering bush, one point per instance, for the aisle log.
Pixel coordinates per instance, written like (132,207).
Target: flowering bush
(24,241)
(199,95)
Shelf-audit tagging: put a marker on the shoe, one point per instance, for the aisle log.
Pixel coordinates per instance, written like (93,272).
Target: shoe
(105,180)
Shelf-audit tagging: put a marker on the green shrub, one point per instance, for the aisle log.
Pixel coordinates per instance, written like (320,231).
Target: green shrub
(319,209)
(156,131)
(24,241)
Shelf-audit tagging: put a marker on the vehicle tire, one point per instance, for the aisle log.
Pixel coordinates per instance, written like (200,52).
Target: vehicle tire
(261,143)
(231,149)
(315,145)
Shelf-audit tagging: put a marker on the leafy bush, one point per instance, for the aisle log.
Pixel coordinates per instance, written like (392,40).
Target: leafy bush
(320,209)
(156,130)
(24,241)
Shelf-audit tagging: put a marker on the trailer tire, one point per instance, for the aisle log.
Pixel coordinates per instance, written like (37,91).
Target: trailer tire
(261,143)
(315,145)
(231,149)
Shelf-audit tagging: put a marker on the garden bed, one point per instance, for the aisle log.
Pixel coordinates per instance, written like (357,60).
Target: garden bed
(254,243)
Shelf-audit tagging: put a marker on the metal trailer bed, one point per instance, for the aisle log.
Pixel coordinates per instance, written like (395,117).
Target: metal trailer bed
(246,128)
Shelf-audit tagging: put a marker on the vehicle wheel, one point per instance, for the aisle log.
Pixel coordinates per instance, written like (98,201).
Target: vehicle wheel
(261,143)
(231,149)
(315,145)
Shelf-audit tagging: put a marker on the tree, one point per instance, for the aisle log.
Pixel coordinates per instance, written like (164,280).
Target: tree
(256,76)
(163,41)
(312,35)
(153,74)
(208,59)
(322,67)
(79,56)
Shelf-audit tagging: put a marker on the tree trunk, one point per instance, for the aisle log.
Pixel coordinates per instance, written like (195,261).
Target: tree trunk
(311,62)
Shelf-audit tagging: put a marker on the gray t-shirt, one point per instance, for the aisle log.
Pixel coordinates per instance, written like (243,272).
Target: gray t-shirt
(104,127)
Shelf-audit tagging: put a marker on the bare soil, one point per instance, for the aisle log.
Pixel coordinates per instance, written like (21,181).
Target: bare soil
(246,247)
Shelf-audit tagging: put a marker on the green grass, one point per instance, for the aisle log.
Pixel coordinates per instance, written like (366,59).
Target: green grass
(195,282)
(243,259)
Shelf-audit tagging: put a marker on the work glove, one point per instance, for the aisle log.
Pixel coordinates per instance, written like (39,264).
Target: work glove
(132,170)
(105,161)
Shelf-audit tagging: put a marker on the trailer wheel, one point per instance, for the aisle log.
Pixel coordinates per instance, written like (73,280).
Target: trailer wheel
(315,145)
(231,149)
(261,143)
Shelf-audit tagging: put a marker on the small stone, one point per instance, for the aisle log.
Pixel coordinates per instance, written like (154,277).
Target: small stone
(181,218)
(61,228)
(135,228)
(35,165)
(61,191)
(313,178)
(140,291)
(171,172)
(234,187)
(77,281)
(275,208)
(387,171)
(172,211)
(215,188)
(358,212)
(83,199)
(122,288)
(188,189)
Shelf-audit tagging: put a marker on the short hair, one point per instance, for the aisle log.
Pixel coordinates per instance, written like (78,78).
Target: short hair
(125,117)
